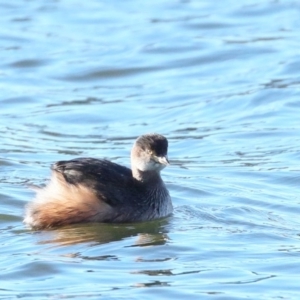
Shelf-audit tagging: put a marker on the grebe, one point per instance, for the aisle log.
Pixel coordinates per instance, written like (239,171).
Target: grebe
(97,190)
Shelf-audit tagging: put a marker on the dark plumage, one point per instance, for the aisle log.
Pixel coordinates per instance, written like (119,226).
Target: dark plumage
(97,190)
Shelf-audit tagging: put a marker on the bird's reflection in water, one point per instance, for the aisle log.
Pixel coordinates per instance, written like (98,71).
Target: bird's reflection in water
(146,233)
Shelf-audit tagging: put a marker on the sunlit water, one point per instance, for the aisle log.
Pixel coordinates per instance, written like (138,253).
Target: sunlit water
(220,79)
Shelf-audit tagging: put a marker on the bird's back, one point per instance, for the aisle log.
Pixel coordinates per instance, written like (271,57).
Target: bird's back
(111,182)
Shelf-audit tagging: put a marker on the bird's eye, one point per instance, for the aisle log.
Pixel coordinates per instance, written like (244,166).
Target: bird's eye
(149,151)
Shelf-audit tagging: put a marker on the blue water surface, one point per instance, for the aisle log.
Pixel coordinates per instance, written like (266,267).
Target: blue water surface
(221,80)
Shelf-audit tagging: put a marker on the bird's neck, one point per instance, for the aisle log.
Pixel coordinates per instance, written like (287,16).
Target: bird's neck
(146,176)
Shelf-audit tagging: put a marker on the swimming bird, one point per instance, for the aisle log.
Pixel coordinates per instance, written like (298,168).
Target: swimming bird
(97,190)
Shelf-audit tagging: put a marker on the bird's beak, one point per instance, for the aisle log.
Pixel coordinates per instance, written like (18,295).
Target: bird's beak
(163,160)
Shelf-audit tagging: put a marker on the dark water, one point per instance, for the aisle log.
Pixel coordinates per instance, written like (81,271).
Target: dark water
(220,79)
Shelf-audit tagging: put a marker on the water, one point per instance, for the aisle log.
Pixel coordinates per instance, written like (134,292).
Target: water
(220,79)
